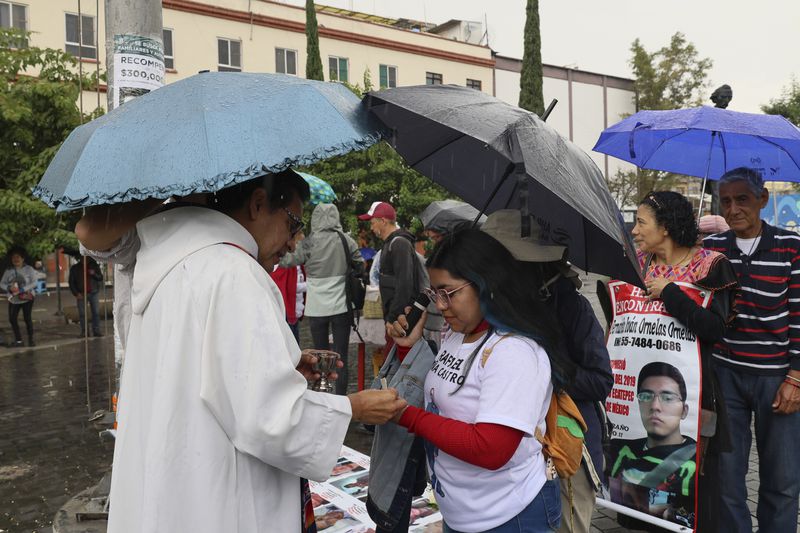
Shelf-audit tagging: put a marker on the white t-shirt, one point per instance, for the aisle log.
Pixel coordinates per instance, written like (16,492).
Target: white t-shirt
(513,389)
(748,246)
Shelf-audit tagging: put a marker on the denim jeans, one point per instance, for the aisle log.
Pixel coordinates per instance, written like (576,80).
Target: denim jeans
(777,441)
(94,305)
(340,324)
(542,515)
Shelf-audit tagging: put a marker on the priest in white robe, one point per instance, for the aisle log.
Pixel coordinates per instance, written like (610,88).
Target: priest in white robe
(216,425)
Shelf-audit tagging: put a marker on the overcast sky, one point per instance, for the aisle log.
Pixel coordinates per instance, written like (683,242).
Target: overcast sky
(754,44)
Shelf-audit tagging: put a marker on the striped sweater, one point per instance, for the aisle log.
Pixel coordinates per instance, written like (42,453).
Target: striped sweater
(764,338)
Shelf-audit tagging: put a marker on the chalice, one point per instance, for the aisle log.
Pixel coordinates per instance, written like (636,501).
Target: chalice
(326,363)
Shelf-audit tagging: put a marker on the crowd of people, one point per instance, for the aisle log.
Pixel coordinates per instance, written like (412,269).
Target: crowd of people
(219,430)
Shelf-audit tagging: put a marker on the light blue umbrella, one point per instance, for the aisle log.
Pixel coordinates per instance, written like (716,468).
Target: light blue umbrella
(204,133)
(321,190)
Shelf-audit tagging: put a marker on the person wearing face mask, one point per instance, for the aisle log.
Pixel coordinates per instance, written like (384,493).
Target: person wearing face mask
(217,426)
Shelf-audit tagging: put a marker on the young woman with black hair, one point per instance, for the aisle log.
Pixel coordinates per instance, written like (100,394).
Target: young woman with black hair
(666,234)
(488,390)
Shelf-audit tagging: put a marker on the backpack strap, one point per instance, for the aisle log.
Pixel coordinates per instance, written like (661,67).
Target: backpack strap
(347,296)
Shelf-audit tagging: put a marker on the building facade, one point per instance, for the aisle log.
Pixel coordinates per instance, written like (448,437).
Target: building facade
(266,36)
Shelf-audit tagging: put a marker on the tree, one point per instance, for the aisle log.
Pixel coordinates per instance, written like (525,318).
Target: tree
(787,105)
(530,81)
(672,77)
(313,60)
(36,115)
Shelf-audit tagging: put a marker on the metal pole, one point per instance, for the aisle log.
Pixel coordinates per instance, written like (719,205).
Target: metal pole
(132,27)
(705,178)
(60,311)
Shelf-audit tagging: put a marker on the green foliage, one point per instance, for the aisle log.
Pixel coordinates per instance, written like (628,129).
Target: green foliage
(787,105)
(38,93)
(530,81)
(673,77)
(313,60)
(377,174)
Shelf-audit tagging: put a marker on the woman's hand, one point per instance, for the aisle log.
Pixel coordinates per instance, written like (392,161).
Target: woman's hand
(397,329)
(655,287)
(307,363)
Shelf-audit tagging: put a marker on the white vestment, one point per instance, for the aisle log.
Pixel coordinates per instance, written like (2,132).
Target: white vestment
(215,424)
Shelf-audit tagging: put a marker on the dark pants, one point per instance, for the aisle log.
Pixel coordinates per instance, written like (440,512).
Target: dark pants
(13,319)
(777,437)
(340,325)
(94,304)
(295,331)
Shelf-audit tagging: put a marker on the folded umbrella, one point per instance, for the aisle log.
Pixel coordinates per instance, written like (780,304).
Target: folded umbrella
(444,215)
(204,133)
(494,155)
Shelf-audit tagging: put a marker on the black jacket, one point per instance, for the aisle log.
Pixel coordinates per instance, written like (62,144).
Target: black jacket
(400,274)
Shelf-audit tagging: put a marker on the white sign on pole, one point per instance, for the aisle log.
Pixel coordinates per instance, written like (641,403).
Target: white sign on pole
(138,67)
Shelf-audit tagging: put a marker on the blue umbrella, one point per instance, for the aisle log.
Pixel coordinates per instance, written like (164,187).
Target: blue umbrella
(321,190)
(204,133)
(706,142)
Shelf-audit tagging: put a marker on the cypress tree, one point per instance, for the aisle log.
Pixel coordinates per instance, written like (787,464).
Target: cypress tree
(530,81)
(313,61)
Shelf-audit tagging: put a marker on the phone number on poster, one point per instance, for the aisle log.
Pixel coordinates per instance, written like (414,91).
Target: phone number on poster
(642,342)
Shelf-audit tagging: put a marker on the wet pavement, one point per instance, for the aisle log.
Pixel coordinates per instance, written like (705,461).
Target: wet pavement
(49,452)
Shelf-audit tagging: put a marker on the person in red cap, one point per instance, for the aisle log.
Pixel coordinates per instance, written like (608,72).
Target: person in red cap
(401,276)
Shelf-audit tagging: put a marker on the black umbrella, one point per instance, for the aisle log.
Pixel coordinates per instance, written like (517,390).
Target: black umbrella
(495,156)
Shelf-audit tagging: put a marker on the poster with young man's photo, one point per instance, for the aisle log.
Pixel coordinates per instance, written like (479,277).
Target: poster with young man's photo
(654,406)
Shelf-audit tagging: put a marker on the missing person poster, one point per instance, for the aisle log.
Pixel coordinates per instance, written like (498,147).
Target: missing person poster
(654,405)
(340,502)
(138,67)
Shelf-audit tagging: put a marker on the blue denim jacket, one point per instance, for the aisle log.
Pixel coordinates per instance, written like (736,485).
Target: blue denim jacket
(393,467)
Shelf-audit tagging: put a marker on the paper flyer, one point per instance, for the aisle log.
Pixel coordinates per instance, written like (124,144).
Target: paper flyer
(340,502)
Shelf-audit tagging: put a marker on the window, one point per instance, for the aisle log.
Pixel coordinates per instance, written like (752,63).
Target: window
(474,84)
(229,55)
(80,36)
(432,78)
(388,76)
(14,16)
(169,57)
(286,61)
(337,67)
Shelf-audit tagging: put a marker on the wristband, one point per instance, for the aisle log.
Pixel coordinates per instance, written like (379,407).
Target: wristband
(792,383)
(793,378)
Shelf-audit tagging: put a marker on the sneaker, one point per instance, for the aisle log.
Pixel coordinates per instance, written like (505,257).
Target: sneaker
(31,343)
(98,334)
(16,344)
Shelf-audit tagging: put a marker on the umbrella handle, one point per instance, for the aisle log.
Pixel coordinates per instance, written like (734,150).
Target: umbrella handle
(506,173)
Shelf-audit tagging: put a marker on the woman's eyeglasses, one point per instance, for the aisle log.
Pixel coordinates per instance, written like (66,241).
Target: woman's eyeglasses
(442,296)
(647,396)
(295,222)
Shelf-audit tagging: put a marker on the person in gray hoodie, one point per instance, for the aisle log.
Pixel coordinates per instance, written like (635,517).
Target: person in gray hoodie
(324,257)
